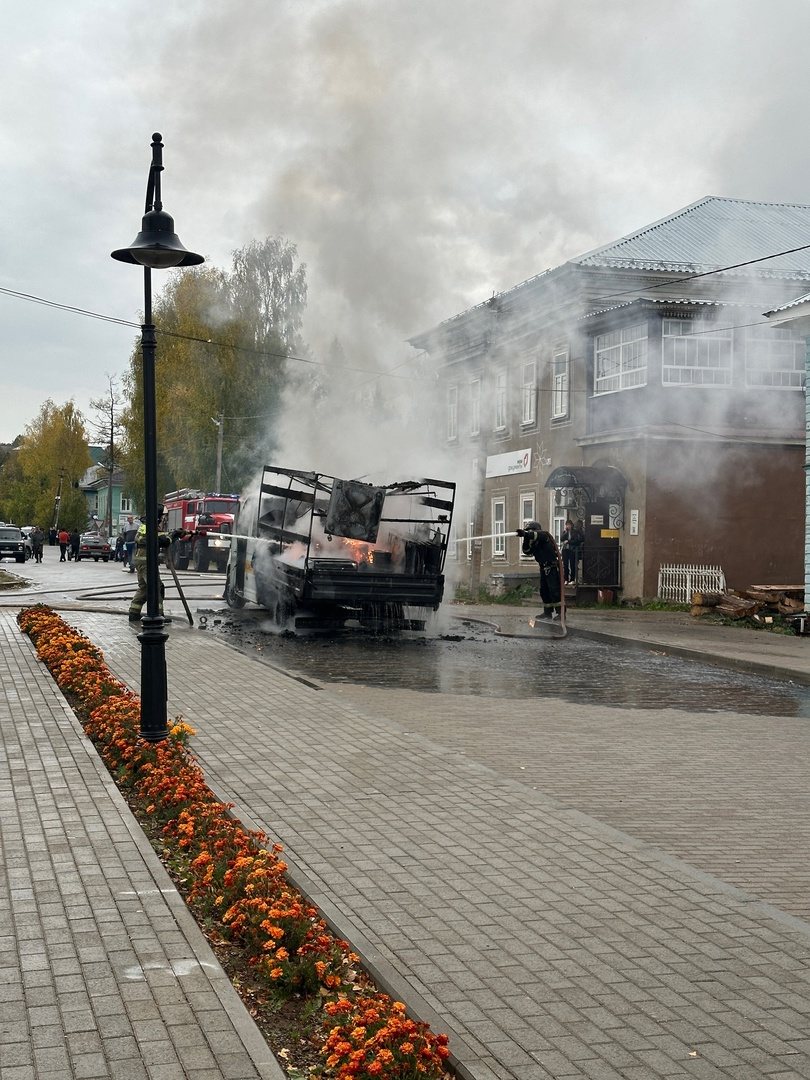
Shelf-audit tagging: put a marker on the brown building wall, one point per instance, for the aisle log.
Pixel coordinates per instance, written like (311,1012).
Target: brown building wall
(738,506)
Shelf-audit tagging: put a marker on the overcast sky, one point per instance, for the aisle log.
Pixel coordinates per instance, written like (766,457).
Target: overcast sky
(422,155)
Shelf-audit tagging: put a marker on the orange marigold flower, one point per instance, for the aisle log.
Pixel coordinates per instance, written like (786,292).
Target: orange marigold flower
(276,973)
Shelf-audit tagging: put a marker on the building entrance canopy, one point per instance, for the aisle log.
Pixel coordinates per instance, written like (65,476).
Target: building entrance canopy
(598,482)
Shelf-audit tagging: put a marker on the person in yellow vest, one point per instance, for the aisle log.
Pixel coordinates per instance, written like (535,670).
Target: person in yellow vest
(164,541)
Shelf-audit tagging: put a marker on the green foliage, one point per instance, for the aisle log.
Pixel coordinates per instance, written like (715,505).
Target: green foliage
(53,446)
(222,339)
(515,596)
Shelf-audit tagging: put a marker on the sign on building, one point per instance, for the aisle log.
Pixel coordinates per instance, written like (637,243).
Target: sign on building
(518,461)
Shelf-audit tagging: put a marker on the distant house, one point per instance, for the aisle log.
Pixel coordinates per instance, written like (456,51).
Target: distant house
(639,388)
(97,486)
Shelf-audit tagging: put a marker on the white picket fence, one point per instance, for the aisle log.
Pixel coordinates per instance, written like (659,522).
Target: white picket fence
(677,582)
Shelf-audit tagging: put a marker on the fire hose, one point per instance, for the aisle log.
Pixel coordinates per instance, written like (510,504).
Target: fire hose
(170,564)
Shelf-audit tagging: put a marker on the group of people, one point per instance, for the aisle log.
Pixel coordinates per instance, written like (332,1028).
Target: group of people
(69,544)
(542,546)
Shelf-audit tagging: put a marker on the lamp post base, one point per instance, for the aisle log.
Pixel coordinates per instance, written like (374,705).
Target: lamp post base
(154,682)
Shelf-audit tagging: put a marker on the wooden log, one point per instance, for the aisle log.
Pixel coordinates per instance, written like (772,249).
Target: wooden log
(737,608)
(706,599)
(700,609)
(766,596)
(789,607)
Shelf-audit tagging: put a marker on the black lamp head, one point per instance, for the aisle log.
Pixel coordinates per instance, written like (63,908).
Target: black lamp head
(157,245)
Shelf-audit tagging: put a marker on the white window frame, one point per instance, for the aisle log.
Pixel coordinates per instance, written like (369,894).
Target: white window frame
(500,396)
(528,512)
(560,388)
(558,516)
(528,397)
(499,527)
(620,359)
(126,505)
(470,532)
(695,353)
(452,413)
(774,343)
(475,406)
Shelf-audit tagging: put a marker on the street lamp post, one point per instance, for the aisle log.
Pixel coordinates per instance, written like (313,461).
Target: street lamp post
(156,247)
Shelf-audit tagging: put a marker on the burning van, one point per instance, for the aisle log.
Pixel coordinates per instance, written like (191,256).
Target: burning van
(323,551)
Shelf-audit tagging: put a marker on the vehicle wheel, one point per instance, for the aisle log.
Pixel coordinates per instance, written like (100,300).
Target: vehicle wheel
(233,599)
(282,610)
(222,565)
(181,562)
(105,558)
(95,558)
(19,558)
(202,559)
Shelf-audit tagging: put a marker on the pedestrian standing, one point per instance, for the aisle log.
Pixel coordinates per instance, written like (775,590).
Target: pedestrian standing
(37,543)
(130,531)
(75,544)
(63,536)
(52,537)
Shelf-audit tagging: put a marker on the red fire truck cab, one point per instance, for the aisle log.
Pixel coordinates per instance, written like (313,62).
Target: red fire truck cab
(209,516)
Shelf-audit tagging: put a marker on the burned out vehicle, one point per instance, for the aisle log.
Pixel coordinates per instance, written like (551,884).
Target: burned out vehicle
(321,552)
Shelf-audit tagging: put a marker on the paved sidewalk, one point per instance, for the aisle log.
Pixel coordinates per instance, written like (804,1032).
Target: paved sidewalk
(548,944)
(103,972)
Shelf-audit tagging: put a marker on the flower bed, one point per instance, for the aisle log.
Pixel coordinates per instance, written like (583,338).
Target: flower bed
(234,879)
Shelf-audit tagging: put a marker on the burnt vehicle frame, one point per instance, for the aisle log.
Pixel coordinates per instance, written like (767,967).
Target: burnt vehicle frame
(319,552)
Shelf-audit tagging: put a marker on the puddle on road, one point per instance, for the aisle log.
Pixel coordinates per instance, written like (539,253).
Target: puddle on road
(472,660)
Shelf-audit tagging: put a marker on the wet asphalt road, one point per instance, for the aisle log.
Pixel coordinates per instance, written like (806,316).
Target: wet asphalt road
(470,659)
(462,658)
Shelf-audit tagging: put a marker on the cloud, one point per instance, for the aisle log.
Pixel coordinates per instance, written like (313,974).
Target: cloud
(421,155)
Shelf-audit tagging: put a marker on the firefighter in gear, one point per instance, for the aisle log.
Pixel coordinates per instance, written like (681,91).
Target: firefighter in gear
(164,541)
(542,546)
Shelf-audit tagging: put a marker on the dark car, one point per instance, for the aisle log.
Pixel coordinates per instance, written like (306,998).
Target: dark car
(12,543)
(93,546)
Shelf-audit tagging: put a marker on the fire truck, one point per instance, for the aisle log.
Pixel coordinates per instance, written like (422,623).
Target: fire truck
(320,552)
(209,516)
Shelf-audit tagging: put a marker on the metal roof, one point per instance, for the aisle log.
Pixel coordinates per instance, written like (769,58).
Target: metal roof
(715,232)
(666,300)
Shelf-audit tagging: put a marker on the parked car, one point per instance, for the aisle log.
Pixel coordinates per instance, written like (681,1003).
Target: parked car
(26,530)
(12,543)
(93,546)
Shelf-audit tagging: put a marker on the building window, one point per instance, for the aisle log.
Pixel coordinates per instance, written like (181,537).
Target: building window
(774,356)
(559,515)
(694,354)
(499,528)
(500,400)
(560,389)
(452,412)
(620,359)
(475,406)
(527,511)
(528,412)
(126,505)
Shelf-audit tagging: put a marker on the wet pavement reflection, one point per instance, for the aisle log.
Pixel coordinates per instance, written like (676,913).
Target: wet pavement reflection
(472,660)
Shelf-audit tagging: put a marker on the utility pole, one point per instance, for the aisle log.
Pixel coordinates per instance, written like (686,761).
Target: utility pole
(57,501)
(221,427)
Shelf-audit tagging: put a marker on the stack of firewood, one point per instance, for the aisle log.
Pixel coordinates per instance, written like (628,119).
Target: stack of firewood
(758,602)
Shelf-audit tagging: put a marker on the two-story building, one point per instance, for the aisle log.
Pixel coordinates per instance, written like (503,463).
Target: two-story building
(640,389)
